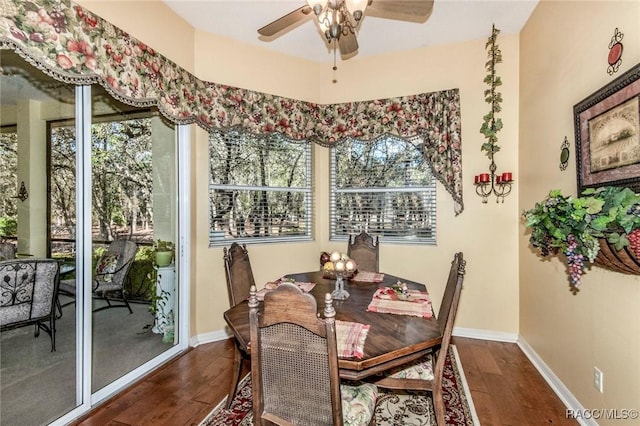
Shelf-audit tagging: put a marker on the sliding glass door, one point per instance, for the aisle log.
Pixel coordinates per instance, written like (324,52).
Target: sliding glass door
(101,190)
(134,200)
(37,384)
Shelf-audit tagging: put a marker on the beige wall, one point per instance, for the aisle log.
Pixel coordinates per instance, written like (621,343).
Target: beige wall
(557,60)
(563,59)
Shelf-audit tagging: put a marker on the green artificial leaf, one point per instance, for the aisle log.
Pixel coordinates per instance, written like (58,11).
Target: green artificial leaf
(593,205)
(600,223)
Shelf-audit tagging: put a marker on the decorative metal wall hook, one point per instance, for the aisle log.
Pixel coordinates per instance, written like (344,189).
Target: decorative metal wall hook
(614,58)
(564,154)
(22,193)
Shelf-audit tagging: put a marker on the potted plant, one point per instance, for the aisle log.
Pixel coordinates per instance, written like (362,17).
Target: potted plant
(601,226)
(164,251)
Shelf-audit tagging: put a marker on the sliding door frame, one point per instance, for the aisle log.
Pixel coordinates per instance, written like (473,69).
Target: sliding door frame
(85,400)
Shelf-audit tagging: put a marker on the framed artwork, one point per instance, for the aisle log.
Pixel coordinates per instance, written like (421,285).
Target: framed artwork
(607,128)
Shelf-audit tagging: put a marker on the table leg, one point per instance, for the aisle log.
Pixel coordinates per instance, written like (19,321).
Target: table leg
(235,377)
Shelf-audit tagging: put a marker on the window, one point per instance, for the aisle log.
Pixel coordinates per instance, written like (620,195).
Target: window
(260,188)
(384,187)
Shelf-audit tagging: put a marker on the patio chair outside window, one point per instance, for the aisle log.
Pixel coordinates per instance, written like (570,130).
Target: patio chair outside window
(110,276)
(28,294)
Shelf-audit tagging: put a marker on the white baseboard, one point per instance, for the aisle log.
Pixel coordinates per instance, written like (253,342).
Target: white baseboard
(558,387)
(476,333)
(213,336)
(547,374)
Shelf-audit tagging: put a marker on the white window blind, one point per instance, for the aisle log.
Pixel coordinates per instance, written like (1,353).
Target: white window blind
(260,188)
(383,187)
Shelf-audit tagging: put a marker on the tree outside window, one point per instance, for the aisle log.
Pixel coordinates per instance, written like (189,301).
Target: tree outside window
(383,187)
(260,187)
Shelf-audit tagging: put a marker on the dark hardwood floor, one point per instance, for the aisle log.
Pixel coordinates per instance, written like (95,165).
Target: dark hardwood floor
(505,387)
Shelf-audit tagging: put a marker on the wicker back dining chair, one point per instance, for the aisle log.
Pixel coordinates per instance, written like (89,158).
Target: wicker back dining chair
(109,277)
(294,364)
(427,373)
(237,268)
(365,251)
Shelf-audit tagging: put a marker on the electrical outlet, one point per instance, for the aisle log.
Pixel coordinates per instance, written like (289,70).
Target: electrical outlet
(598,379)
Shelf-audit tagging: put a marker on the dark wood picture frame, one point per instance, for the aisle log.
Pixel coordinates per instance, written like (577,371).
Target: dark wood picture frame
(607,131)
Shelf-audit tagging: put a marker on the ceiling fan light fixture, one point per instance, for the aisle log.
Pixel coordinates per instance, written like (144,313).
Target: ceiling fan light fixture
(335,17)
(335,30)
(356,8)
(317,5)
(325,19)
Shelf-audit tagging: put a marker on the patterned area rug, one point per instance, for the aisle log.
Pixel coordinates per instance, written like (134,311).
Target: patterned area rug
(393,408)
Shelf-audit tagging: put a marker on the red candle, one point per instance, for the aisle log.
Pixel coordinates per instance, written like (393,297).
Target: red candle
(484,177)
(476,179)
(498,179)
(507,177)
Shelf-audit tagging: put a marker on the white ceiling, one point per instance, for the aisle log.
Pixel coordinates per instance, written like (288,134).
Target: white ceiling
(451,21)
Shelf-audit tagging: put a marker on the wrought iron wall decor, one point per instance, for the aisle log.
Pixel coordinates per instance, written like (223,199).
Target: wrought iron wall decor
(492,183)
(615,52)
(22,193)
(564,154)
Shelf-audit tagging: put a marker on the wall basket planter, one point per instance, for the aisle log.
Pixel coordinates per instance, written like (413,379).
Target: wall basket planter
(623,261)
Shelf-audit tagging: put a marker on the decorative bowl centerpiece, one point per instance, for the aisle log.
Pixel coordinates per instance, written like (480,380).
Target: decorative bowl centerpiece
(329,266)
(339,266)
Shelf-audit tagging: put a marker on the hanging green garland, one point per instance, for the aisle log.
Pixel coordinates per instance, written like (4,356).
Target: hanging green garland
(491,123)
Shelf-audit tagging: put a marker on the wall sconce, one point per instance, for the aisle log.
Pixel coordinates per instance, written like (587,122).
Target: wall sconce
(22,192)
(493,183)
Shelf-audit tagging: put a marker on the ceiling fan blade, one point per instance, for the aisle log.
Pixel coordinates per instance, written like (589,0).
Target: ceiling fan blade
(401,10)
(348,43)
(290,19)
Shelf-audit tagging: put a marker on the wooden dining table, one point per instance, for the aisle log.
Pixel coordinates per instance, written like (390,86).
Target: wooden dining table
(392,339)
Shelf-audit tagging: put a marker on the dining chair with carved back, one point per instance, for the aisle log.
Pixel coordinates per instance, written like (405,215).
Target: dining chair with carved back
(364,249)
(239,275)
(294,364)
(427,373)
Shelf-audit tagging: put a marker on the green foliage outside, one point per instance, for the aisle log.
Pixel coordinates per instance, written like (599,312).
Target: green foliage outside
(141,281)
(8,226)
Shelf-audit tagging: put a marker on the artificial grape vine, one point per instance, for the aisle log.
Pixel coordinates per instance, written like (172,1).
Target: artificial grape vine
(492,124)
(575,262)
(634,241)
(577,226)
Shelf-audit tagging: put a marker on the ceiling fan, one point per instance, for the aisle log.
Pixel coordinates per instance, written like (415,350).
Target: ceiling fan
(339,19)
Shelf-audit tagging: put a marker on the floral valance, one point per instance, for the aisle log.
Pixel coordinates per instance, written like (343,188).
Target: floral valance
(73,45)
